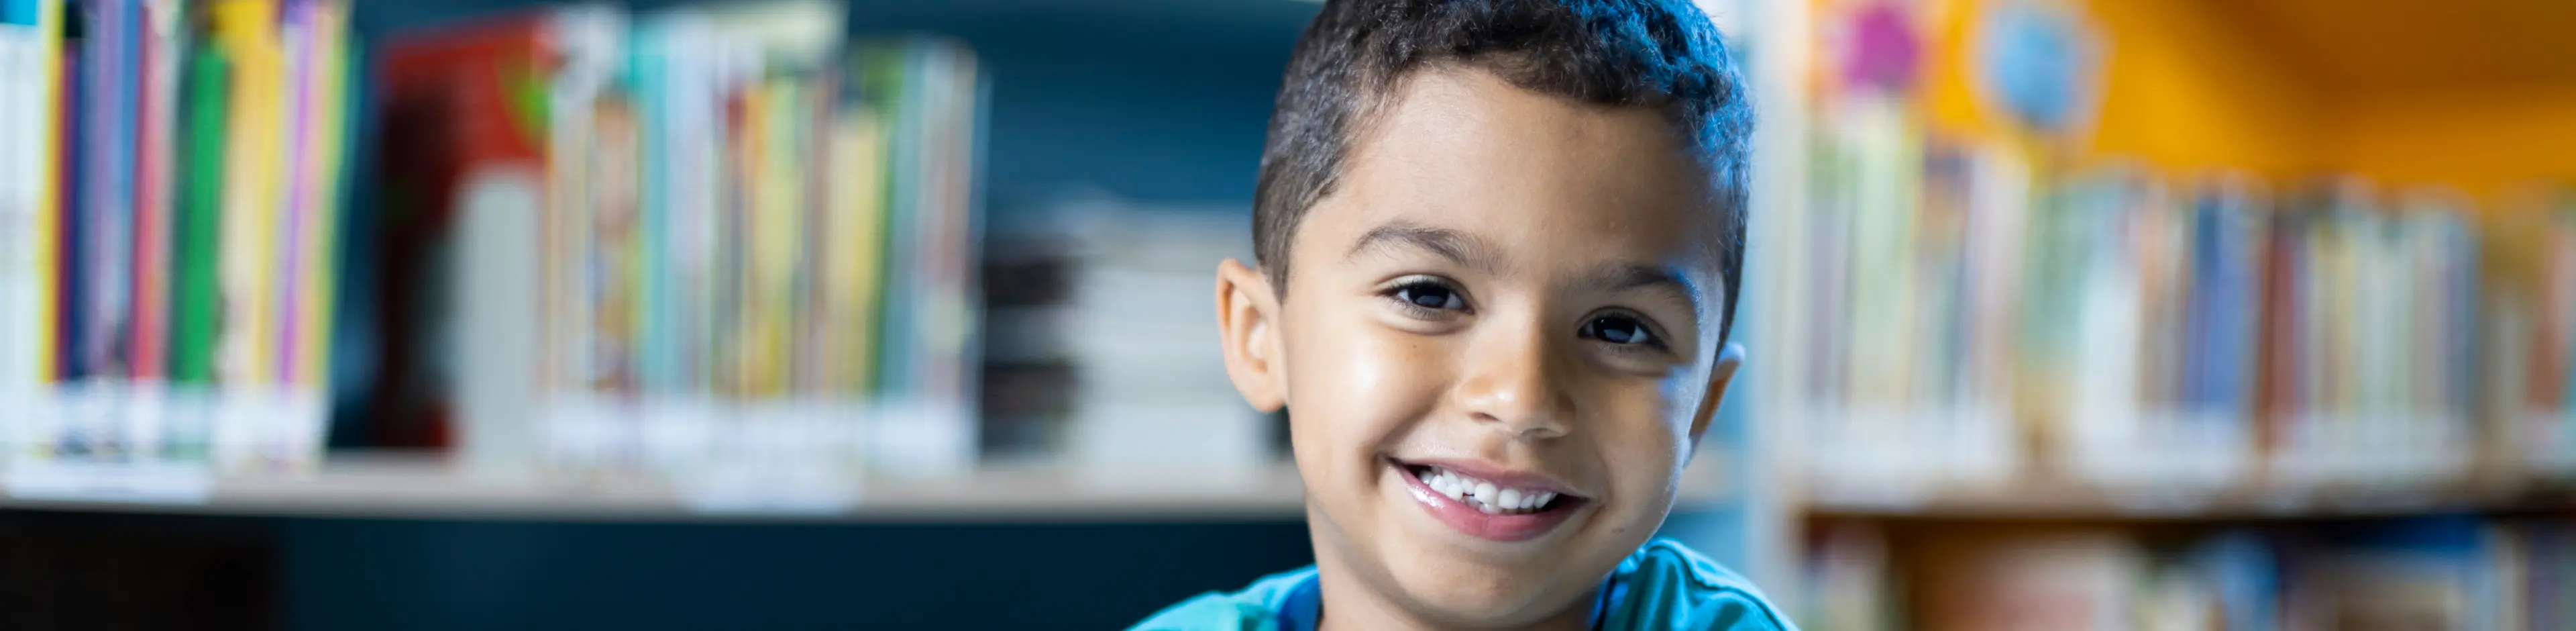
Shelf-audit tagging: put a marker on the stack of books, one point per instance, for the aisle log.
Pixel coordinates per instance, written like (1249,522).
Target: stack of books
(1102,352)
(1151,405)
(171,191)
(681,242)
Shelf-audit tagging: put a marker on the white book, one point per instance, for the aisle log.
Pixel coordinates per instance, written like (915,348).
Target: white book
(27,49)
(19,159)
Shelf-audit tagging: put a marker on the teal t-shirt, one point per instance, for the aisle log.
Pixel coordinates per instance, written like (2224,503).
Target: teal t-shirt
(1662,587)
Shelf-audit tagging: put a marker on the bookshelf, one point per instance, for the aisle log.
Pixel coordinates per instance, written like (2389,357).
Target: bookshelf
(394,485)
(1157,103)
(2046,500)
(2084,464)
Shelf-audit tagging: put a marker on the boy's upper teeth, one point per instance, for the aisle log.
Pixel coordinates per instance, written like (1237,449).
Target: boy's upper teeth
(1486,495)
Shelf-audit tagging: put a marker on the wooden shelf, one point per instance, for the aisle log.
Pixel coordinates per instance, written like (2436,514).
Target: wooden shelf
(2060,500)
(417,487)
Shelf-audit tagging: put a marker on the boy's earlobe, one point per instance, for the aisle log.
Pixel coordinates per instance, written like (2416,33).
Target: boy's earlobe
(1720,375)
(1247,318)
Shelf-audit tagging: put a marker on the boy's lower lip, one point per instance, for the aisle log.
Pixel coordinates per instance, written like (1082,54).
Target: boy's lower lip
(1477,523)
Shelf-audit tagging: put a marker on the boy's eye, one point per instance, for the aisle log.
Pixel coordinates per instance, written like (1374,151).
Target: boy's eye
(1429,295)
(1619,329)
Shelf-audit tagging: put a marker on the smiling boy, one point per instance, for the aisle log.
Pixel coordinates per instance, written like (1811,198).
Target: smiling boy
(1499,244)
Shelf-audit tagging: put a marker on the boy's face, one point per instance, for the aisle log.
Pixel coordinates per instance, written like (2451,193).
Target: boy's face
(1504,288)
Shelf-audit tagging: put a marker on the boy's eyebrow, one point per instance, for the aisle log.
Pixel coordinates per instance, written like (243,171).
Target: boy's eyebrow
(1458,247)
(1636,275)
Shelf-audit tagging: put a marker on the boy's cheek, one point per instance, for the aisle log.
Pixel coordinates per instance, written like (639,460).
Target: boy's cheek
(1350,365)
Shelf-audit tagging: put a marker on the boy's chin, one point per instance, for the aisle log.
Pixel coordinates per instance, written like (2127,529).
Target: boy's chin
(1488,601)
(1470,594)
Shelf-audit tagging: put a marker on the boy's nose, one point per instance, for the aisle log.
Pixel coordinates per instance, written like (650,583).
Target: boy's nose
(1510,383)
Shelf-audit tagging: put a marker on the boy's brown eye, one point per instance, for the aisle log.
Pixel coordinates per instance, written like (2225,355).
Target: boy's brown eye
(1429,295)
(1619,329)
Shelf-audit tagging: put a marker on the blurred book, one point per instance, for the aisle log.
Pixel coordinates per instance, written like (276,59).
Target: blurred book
(31,34)
(2529,384)
(168,203)
(1849,581)
(692,240)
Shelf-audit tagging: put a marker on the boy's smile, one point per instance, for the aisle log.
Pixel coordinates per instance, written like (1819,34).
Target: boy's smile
(1480,500)
(1499,344)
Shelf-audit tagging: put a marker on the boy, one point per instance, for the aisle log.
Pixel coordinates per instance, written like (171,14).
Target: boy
(1499,244)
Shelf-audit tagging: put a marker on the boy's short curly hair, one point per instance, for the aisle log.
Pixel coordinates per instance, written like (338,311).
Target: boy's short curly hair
(1663,54)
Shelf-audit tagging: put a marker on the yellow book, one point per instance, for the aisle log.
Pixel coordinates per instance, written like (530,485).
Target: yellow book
(774,225)
(853,269)
(48,195)
(243,29)
(323,146)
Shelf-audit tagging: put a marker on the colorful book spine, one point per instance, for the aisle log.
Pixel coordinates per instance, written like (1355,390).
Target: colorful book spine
(108,212)
(294,195)
(586,81)
(198,230)
(614,270)
(853,267)
(71,117)
(660,82)
(323,185)
(159,47)
(244,31)
(2561,310)
(71,245)
(30,36)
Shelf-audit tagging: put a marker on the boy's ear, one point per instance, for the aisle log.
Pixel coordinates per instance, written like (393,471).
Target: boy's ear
(1247,315)
(1720,376)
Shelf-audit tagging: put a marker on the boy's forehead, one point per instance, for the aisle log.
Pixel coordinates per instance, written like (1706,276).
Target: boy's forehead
(1544,180)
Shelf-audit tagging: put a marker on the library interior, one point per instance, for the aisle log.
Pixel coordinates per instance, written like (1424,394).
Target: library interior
(2150,315)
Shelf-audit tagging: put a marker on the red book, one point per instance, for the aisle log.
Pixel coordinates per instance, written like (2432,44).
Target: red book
(156,87)
(458,101)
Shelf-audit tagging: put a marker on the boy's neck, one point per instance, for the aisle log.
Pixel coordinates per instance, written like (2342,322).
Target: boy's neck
(1349,605)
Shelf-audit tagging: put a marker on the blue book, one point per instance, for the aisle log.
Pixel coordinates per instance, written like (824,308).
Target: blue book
(657,362)
(72,243)
(2234,300)
(112,306)
(106,212)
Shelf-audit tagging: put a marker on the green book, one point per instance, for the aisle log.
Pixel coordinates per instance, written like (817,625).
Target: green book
(196,303)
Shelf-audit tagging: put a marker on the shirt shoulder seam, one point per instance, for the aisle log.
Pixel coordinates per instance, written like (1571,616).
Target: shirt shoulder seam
(1718,586)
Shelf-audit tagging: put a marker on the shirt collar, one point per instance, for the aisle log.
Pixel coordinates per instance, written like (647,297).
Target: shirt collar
(1305,604)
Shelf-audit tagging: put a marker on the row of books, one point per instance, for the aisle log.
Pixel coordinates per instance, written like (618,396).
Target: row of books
(1961,300)
(1965,308)
(2140,330)
(2371,329)
(171,186)
(694,239)
(2325,338)
(2449,573)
